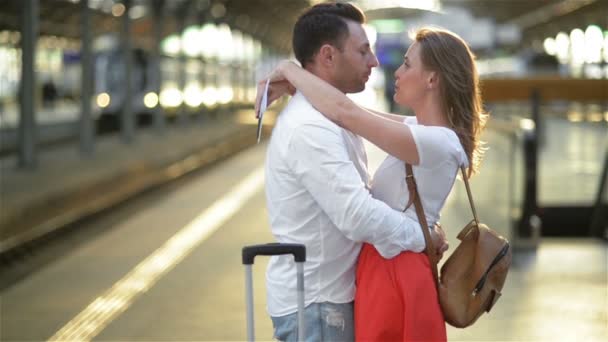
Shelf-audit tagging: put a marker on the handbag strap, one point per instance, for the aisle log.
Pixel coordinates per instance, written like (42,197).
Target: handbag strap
(415,199)
(466,183)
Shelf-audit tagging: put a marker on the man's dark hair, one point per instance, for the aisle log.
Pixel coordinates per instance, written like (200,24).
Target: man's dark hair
(323,24)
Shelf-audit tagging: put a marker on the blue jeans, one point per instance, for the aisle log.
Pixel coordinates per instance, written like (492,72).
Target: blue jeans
(324,322)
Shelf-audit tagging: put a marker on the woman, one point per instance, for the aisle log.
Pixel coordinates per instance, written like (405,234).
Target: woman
(396,299)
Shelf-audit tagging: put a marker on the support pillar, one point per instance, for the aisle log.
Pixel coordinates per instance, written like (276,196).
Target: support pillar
(27,94)
(87,128)
(127,127)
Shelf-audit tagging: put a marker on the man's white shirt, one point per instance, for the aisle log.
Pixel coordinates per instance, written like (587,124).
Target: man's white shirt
(317,193)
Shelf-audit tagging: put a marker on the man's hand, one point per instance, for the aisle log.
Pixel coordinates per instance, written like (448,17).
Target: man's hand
(277,87)
(439,241)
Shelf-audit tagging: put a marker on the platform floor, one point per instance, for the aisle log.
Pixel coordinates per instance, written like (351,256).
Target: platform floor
(555,292)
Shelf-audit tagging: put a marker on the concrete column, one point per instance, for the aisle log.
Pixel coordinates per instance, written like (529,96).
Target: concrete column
(181,79)
(127,127)
(202,17)
(87,128)
(27,95)
(156,77)
(203,114)
(181,76)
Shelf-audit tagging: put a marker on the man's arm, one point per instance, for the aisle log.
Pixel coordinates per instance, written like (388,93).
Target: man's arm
(319,159)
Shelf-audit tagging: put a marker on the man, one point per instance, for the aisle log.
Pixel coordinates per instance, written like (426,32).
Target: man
(317,186)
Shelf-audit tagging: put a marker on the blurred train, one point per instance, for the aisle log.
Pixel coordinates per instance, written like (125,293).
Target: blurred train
(211,82)
(109,80)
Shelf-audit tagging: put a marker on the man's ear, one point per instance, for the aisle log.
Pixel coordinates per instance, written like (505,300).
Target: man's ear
(326,55)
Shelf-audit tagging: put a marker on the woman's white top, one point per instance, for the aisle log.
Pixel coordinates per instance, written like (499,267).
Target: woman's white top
(440,154)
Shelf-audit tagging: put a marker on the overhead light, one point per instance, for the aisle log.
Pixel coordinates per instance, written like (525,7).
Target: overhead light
(427,5)
(547,12)
(137,11)
(389,25)
(171,45)
(118,10)
(562,45)
(218,10)
(550,46)
(594,39)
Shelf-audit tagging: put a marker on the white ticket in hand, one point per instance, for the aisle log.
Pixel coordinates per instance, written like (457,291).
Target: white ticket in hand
(263,106)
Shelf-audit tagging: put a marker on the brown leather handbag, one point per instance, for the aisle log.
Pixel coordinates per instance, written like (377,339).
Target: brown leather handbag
(473,276)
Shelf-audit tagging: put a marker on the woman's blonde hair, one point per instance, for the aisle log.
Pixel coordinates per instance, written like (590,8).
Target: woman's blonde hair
(447,54)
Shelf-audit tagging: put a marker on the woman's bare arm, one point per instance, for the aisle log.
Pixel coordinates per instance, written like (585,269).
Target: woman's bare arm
(389,116)
(392,136)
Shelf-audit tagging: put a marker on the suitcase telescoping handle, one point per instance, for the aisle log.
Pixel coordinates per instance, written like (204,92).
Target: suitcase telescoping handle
(249,253)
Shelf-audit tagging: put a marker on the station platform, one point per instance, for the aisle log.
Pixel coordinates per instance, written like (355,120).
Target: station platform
(555,291)
(56,123)
(66,186)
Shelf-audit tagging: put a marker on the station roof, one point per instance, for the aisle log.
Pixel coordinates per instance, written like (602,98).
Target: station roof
(271,20)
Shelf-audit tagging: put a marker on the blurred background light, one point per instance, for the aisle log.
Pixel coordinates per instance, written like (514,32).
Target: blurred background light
(103,100)
(428,5)
(118,10)
(237,45)
(594,39)
(388,25)
(191,41)
(137,12)
(577,47)
(171,97)
(151,100)
(562,44)
(171,45)
(218,10)
(248,48)
(605,47)
(193,95)
(550,46)
(225,50)
(225,95)
(209,35)
(210,96)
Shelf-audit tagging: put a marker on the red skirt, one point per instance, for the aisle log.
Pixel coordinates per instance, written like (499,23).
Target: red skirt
(396,299)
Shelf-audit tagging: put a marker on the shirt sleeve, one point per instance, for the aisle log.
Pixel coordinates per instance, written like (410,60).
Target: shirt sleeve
(318,158)
(433,145)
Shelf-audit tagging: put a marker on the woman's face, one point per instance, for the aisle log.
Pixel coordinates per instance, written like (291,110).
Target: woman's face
(411,78)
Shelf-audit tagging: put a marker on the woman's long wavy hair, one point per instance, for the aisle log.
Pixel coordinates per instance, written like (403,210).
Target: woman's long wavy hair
(447,54)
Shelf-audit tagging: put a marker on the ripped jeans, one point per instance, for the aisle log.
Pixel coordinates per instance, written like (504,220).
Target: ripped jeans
(324,322)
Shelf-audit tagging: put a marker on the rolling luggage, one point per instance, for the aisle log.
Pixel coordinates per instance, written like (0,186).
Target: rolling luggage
(249,253)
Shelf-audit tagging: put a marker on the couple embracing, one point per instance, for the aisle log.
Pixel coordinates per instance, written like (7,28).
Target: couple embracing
(366,275)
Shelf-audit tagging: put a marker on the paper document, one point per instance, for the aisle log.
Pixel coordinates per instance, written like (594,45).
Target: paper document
(263,106)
